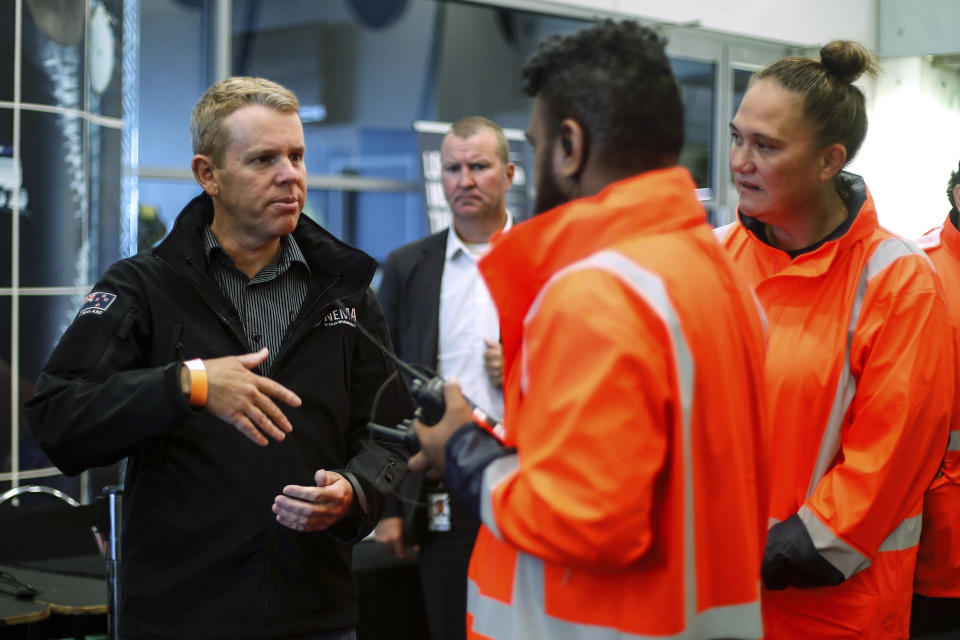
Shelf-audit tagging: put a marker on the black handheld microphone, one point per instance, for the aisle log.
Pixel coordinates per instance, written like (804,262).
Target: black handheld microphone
(427,393)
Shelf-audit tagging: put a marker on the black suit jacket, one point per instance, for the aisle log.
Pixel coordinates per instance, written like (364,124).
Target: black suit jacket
(409,294)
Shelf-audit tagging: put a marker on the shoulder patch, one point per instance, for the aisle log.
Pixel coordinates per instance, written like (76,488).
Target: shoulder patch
(97,302)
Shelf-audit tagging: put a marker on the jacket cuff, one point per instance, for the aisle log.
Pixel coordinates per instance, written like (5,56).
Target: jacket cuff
(350,528)
(171,380)
(791,559)
(469,450)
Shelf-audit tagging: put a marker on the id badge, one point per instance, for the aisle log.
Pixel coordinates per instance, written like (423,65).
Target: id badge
(438,511)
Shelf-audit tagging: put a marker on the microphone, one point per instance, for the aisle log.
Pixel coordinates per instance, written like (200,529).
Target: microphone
(427,393)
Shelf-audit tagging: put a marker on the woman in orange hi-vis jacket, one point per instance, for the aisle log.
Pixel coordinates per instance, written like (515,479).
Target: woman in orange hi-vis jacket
(860,356)
(936,600)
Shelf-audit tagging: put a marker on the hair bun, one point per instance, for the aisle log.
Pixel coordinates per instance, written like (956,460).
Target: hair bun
(847,60)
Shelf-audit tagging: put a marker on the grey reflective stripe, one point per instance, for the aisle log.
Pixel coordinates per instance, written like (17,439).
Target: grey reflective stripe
(526,617)
(771,522)
(492,475)
(888,252)
(760,311)
(840,554)
(845,558)
(954,443)
(885,254)
(905,536)
(722,232)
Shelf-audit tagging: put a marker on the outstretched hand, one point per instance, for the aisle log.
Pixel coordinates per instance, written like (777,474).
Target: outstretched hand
(245,400)
(303,508)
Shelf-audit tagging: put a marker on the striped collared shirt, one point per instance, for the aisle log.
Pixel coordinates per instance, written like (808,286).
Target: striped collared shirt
(266,303)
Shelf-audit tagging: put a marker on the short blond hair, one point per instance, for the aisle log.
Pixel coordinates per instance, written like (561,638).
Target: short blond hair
(472,125)
(208,135)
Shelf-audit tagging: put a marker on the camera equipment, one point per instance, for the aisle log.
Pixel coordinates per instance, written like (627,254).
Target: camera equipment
(427,393)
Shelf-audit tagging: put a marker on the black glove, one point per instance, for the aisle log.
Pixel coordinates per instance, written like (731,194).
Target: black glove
(791,560)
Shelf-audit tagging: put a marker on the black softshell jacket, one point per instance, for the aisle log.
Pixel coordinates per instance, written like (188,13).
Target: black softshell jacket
(203,556)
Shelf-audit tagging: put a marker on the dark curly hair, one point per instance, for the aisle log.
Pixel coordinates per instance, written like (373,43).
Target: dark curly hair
(615,81)
(954,181)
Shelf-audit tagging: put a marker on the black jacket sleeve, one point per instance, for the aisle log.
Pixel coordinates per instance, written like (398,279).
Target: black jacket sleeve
(95,400)
(469,450)
(388,295)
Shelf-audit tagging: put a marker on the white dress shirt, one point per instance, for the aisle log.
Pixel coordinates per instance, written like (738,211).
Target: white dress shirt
(467,317)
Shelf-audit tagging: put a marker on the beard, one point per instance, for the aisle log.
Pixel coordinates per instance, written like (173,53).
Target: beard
(549,194)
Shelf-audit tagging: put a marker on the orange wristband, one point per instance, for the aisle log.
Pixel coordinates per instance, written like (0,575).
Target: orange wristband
(198,382)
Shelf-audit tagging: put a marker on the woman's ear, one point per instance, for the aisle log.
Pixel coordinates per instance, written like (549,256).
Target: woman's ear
(832,159)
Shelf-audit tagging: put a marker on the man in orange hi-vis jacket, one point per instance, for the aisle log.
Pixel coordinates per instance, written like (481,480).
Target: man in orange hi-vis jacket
(627,498)
(936,599)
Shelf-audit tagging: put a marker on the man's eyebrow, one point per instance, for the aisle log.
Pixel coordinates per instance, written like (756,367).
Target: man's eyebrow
(260,151)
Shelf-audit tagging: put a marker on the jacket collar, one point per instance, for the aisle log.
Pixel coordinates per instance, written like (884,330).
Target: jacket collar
(455,245)
(818,261)
(341,269)
(950,235)
(522,260)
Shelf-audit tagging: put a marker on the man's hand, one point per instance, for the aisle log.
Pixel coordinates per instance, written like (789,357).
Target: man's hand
(389,535)
(433,440)
(493,362)
(314,508)
(244,399)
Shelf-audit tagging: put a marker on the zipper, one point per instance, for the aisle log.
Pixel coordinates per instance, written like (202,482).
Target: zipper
(128,321)
(293,329)
(205,296)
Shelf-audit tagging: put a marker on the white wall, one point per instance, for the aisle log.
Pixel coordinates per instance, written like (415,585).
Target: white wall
(807,22)
(913,143)
(810,22)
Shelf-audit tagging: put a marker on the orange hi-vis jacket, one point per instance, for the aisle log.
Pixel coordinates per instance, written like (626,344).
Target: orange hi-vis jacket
(860,383)
(634,505)
(938,560)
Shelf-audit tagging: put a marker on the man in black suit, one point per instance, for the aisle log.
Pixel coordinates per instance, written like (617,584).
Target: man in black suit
(440,316)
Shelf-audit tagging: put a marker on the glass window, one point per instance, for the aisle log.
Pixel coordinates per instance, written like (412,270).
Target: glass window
(360,97)
(6,416)
(377,222)
(54,223)
(7,39)
(741,78)
(696,80)
(106,69)
(43,319)
(9,169)
(160,203)
(174,72)
(104,174)
(365,71)
(52,54)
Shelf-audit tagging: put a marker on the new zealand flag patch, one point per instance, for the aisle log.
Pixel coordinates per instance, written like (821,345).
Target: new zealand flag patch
(97,302)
